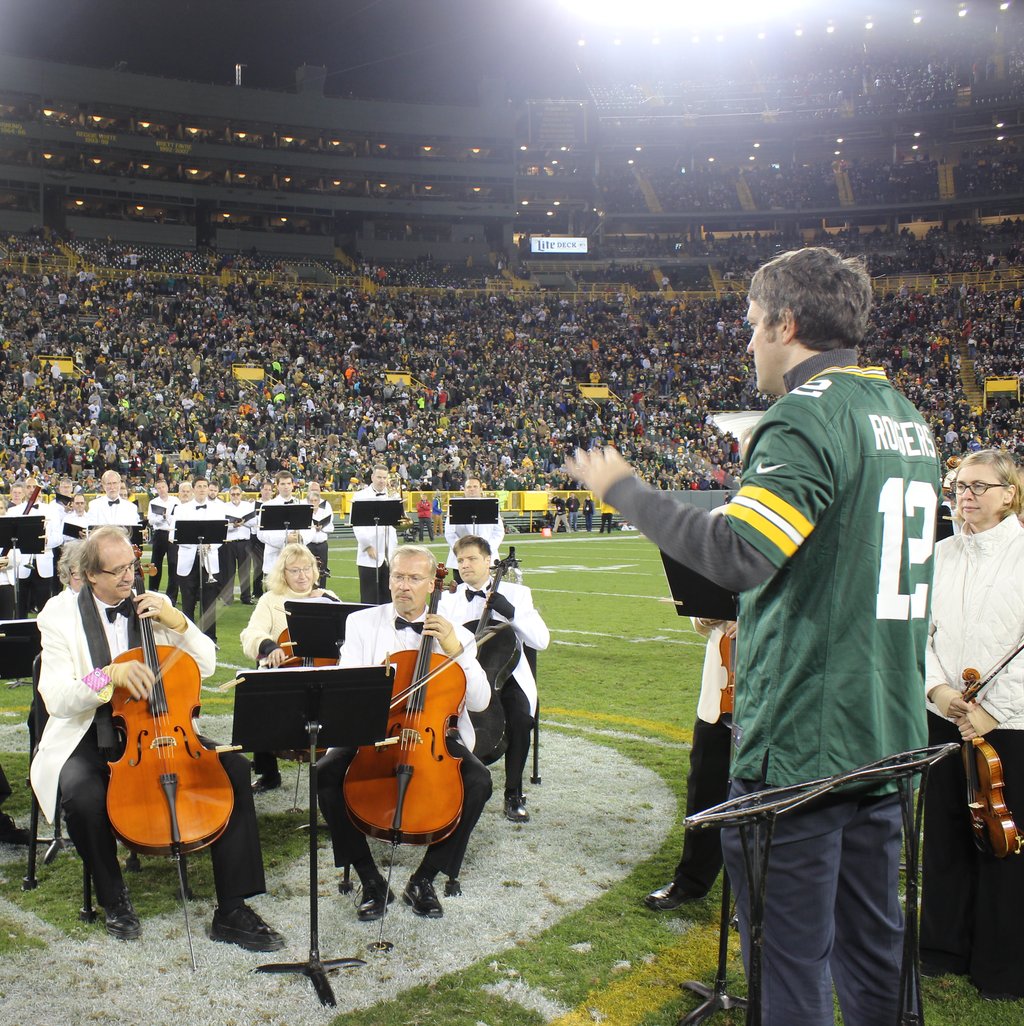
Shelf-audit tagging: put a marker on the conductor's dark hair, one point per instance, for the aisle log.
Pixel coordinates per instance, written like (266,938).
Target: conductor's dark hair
(829,297)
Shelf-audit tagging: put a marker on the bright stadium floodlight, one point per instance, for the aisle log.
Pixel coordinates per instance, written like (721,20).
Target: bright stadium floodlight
(688,14)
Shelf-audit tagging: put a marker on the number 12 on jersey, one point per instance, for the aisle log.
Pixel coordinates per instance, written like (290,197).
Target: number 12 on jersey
(899,502)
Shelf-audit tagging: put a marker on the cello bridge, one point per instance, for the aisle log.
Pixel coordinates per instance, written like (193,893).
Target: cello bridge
(163,742)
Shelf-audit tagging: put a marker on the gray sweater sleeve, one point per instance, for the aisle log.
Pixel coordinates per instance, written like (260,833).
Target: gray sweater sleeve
(691,536)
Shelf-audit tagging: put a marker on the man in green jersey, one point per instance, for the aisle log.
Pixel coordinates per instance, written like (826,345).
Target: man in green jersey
(829,541)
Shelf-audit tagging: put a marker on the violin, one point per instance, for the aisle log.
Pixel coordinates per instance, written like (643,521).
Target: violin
(727,653)
(499,659)
(407,788)
(168,795)
(995,832)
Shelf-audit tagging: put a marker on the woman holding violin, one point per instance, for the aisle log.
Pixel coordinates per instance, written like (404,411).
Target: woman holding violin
(293,576)
(80,676)
(371,637)
(972,900)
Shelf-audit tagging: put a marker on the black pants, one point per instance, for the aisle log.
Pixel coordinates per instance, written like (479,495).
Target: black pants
(349,842)
(606,522)
(33,593)
(970,901)
(707,784)
(163,549)
(374,586)
(256,549)
(196,590)
(518,730)
(5,787)
(7,602)
(237,857)
(319,550)
(424,525)
(235,559)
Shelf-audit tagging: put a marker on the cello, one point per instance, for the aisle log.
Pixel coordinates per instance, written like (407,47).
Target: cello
(168,795)
(407,789)
(499,659)
(992,825)
(727,653)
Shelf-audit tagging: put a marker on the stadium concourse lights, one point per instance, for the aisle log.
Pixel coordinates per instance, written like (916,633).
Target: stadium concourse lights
(662,15)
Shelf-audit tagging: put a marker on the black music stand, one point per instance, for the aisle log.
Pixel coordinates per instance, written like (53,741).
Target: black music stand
(462,511)
(694,594)
(188,531)
(317,627)
(377,513)
(136,534)
(74,532)
(25,536)
(306,707)
(755,814)
(278,516)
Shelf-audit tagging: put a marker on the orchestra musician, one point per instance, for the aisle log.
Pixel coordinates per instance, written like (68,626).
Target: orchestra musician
(370,636)
(971,901)
(256,547)
(198,565)
(374,545)
(6,577)
(111,507)
(707,783)
(160,513)
(36,577)
(493,534)
(512,603)
(293,576)
(235,555)
(274,541)
(316,537)
(81,635)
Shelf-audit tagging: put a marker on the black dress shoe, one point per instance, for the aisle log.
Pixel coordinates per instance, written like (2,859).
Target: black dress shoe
(421,897)
(266,783)
(515,809)
(669,897)
(373,904)
(242,926)
(11,833)
(121,920)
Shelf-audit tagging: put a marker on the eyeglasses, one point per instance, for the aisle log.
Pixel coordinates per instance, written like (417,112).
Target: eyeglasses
(120,571)
(306,570)
(412,579)
(975,487)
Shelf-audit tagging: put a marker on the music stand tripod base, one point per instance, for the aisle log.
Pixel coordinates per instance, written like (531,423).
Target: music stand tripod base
(316,971)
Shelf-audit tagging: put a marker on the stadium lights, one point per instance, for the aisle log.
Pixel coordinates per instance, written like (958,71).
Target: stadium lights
(47,113)
(918,18)
(142,124)
(962,13)
(869,24)
(47,156)
(139,207)
(79,203)
(96,119)
(241,135)
(145,167)
(664,15)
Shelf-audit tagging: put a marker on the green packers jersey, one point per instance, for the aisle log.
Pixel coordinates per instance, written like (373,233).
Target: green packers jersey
(839,491)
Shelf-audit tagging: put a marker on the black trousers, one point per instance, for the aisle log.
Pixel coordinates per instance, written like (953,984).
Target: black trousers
(5,787)
(606,522)
(256,549)
(707,785)
(7,602)
(971,902)
(236,854)
(374,586)
(518,731)
(235,558)
(33,593)
(424,525)
(319,550)
(350,843)
(164,550)
(197,591)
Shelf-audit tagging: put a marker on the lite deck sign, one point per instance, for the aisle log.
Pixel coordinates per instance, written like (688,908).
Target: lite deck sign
(557,244)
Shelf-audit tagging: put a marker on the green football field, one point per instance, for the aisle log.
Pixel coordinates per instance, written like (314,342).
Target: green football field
(623,672)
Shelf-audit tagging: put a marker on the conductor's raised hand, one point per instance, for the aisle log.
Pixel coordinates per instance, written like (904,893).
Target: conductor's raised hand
(598,469)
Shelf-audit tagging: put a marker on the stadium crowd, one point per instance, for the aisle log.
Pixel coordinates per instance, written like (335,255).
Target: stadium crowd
(494,378)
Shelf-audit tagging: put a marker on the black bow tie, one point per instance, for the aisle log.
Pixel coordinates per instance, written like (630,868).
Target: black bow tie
(401,624)
(470,594)
(201,507)
(379,494)
(124,608)
(113,502)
